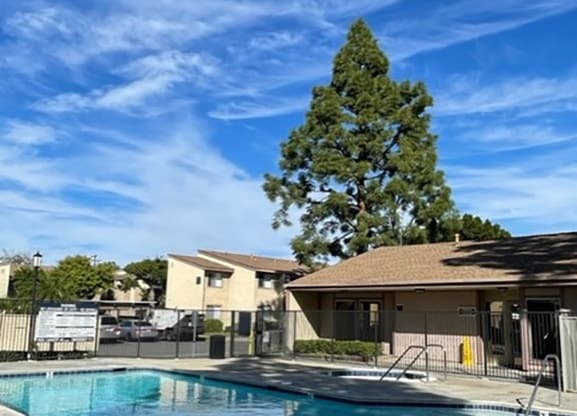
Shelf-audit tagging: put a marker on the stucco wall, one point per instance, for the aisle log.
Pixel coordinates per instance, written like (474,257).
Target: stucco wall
(242,286)
(182,291)
(435,314)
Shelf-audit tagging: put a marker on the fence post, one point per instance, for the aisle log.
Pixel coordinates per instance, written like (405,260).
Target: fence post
(377,329)
(177,335)
(484,328)
(426,323)
(294,334)
(232,325)
(138,329)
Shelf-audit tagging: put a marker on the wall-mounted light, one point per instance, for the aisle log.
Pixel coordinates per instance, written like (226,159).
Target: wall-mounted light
(198,280)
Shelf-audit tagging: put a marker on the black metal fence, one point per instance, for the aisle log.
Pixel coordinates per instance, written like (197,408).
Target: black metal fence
(131,332)
(508,345)
(186,334)
(476,343)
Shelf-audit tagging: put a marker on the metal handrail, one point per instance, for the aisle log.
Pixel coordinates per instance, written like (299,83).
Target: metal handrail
(548,357)
(426,352)
(409,348)
(423,349)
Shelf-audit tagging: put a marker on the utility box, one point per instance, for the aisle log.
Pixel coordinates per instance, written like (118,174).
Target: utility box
(217,346)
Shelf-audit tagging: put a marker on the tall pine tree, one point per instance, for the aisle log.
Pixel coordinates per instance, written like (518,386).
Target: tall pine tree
(362,167)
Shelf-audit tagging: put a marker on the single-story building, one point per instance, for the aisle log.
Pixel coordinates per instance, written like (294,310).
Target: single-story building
(501,295)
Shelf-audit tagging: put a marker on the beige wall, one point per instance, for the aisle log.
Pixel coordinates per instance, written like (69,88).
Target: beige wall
(182,291)
(4,280)
(441,322)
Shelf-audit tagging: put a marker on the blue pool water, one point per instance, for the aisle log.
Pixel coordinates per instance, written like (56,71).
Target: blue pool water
(150,393)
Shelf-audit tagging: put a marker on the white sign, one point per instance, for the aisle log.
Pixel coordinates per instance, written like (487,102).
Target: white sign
(66,322)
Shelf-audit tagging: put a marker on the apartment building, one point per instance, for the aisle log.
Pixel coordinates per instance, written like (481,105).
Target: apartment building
(218,282)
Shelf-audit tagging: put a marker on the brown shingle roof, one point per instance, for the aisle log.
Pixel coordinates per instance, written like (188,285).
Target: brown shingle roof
(536,258)
(202,263)
(258,263)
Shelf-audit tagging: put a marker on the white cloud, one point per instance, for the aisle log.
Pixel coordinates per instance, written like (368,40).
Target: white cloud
(27,133)
(537,193)
(152,76)
(265,107)
(462,21)
(527,94)
(498,137)
(172,192)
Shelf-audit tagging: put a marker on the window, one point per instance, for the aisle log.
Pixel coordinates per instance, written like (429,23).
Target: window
(214,280)
(266,280)
(212,311)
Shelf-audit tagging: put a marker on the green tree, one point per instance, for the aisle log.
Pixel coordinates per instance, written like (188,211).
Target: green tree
(84,278)
(362,168)
(152,272)
(49,287)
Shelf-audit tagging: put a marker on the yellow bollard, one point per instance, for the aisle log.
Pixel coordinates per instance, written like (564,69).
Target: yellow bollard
(467,353)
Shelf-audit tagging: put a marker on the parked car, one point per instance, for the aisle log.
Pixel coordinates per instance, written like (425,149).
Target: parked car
(133,329)
(184,330)
(109,329)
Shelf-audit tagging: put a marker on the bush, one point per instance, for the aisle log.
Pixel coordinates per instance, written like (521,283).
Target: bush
(213,325)
(365,350)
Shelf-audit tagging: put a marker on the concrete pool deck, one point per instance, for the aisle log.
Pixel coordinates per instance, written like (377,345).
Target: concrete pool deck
(313,378)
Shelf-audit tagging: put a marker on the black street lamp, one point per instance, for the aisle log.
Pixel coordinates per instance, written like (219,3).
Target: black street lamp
(36,262)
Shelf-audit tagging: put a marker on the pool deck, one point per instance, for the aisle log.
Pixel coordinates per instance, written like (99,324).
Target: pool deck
(311,378)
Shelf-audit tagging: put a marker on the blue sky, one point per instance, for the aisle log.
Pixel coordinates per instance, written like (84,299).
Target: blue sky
(133,128)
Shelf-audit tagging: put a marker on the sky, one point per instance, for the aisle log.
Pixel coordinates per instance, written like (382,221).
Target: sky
(135,128)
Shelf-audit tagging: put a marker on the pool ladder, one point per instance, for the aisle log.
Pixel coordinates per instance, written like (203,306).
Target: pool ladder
(423,350)
(557,362)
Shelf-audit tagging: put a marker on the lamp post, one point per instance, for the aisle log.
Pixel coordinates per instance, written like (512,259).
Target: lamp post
(36,262)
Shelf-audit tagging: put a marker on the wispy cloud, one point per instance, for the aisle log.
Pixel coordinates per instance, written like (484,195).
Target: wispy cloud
(268,107)
(152,76)
(511,136)
(470,97)
(462,21)
(27,133)
(187,196)
(539,195)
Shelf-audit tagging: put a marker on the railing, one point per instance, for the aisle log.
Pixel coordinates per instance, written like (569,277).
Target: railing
(398,360)
(557,362)
(423,349)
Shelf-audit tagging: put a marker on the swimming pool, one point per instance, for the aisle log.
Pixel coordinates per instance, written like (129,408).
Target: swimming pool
(159,393)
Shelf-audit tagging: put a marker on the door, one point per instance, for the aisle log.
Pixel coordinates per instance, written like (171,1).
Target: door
(344,320)
(543,326)
(370,311)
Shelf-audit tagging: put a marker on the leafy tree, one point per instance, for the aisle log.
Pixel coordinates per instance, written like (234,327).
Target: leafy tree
(74,277)
(362,168)
(84,279)
(153,273)
(474,228)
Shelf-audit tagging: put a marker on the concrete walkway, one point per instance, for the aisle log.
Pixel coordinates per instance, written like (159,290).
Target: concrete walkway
(313,378)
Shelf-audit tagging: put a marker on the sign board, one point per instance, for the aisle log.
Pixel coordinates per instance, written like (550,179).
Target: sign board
(74,322)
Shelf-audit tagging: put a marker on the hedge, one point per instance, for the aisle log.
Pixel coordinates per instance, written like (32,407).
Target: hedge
(365,350)
(213,325)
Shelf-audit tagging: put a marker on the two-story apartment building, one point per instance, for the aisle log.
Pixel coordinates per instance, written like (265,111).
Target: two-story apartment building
(218,282)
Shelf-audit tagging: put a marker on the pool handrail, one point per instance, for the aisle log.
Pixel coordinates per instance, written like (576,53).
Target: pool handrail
(426,352)
(409,348)
(557,363)
(423,349)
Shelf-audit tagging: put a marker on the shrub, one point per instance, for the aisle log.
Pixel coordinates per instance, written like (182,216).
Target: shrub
(365,350)
(213,325)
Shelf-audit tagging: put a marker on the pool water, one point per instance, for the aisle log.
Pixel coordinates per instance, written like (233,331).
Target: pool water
(150,393)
